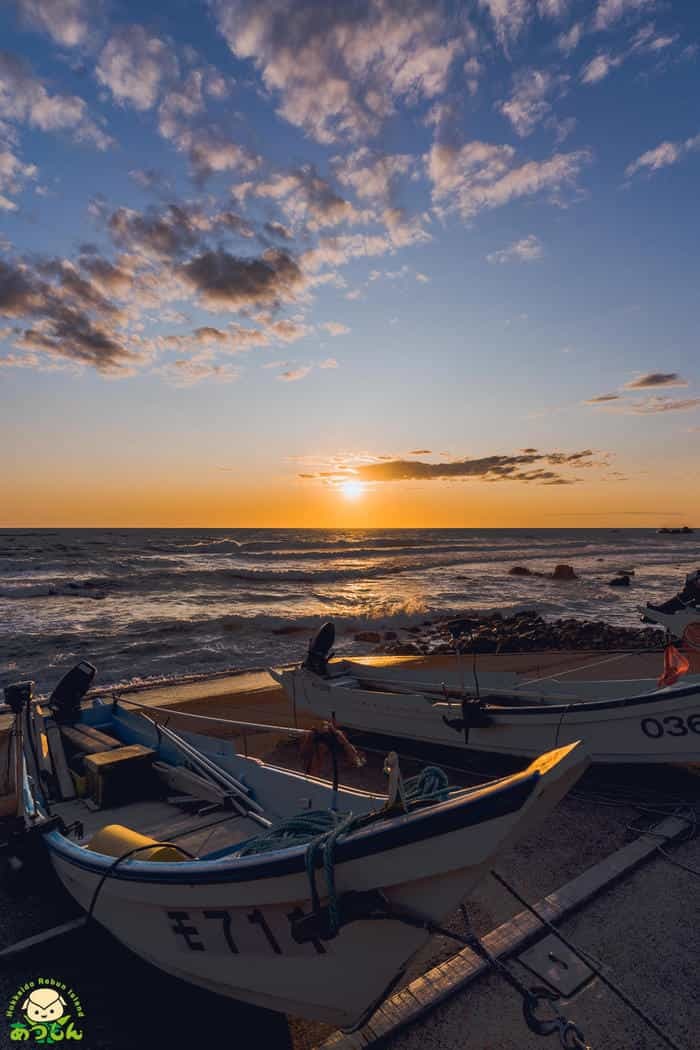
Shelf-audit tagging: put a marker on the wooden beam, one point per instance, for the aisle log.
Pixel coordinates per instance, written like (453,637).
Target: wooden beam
(426,992)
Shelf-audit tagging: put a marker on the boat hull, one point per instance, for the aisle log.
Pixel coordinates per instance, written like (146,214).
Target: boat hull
(663,728)
(226,925)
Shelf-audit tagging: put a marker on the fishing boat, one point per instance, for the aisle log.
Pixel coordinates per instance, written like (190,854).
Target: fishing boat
(633,721)
(11,798)
(680,612)
(270,891)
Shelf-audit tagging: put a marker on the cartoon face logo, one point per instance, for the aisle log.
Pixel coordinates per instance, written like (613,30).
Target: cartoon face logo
(44,1004)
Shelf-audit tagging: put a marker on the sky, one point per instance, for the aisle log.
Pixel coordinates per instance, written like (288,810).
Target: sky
(376,263)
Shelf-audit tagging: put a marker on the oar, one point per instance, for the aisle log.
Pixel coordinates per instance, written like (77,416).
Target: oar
(214,772)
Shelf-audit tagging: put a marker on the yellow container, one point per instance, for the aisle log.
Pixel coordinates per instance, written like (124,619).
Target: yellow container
(114,840)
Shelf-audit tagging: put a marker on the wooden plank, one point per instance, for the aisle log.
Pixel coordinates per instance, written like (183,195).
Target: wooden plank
(84,744)
(434,987)
(42,744)
(99,737)
(58,755)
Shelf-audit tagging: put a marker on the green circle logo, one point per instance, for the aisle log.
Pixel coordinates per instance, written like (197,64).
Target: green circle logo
(45,1011)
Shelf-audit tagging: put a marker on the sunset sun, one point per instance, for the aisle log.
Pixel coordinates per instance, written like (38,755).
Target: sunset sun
(352,490)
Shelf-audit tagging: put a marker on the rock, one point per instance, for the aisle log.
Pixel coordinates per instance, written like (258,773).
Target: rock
(564,572)
(390,636)
(289,628)
(373,637)
(519,570)
(405,649)
(619,581)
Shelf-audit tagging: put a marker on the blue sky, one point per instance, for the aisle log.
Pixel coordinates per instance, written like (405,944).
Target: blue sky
(253,249)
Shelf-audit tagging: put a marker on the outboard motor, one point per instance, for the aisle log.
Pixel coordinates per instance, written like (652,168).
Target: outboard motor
(320,648)
(66,697)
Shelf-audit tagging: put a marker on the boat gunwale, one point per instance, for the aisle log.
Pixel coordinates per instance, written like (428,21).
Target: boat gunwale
(640,699)
(497,799)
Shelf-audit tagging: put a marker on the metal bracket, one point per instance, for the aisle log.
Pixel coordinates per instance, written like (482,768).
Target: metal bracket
(552,962)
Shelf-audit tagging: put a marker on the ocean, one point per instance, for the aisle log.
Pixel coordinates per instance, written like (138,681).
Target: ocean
(147,604)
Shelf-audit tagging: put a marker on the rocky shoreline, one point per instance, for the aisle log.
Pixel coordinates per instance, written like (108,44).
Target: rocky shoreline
(522,632)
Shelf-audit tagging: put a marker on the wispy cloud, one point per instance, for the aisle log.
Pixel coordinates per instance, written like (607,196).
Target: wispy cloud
(24,98)
(663,156)
(292,375)
(528,249)
(529,102)
(65,21)
(338,74)
(480,176)
(608,12)
(653,379)
(530,465)
(599,67)
(335,328)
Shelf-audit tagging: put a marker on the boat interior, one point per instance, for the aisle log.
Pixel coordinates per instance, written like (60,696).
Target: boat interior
(116,767)
(496,688)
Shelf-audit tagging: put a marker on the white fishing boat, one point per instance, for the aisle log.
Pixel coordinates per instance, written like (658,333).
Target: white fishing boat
(633,721)
(680,612)
(238,901)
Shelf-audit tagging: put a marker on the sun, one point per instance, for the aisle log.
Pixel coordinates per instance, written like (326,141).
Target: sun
(352,489)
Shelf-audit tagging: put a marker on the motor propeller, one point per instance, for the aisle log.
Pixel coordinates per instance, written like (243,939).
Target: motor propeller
(320,650)
(65,699)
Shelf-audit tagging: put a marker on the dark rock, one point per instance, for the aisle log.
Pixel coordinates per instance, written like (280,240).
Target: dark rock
(390,636)
(368,636)
(519,570)
(564,572)
(619,581)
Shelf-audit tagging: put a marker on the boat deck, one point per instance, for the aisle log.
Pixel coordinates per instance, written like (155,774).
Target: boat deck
(198,834)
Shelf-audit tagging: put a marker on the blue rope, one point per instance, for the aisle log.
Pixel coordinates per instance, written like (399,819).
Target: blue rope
(321,829)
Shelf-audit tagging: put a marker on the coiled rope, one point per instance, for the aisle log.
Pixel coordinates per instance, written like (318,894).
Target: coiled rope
(321,829)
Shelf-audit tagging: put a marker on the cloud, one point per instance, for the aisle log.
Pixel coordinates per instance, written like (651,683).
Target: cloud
(601,398)
(569,41)
(308,200)
(599,67)
(610,11)
(480,176)
(186,372)
(528,104)
(225,281)
(662,404)
(335,328)
(528,249)
(528,466)
(339,69)
(553,8)
(509,18)
(13,173)
(133,65)
(335,251)
(371,174)
(652,379)
(163,233)
(330,362)
(71,318)
(65,21)
(211,150)
(663,155)
(24,99)
(294,374)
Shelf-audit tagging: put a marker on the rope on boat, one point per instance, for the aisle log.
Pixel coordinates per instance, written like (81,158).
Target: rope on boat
(321,829)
